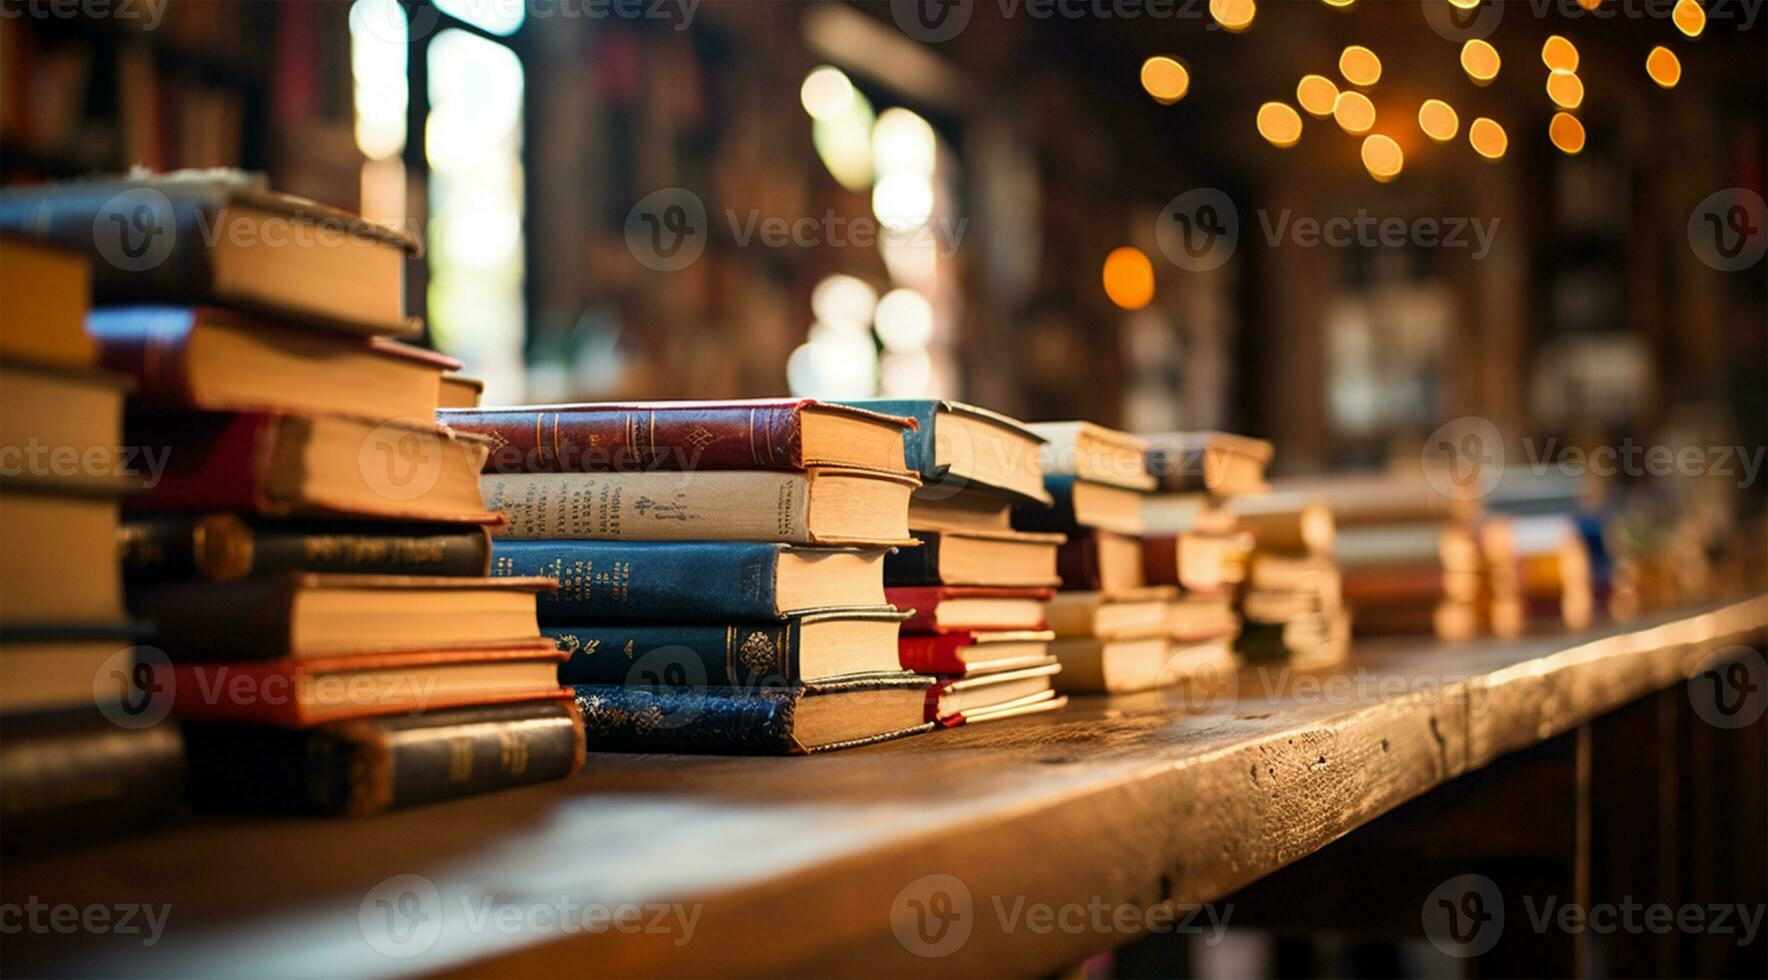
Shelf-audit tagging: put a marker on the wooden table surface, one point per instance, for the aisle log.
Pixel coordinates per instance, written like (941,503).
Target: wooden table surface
(798,865)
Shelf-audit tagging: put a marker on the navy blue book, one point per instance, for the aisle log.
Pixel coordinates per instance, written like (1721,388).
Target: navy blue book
(691,581)
(804,648)
(1078,505)
(956,446)
(789,720)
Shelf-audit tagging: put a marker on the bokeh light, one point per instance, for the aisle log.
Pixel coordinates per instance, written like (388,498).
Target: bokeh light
(1565,89)
(1317,95)
(1689,18)
(826,92)
(1129,278)
(1480,61)
(1559,54)
(1279,124)
(1664,67)
(1359,65)
(844,299)
(1354,112)
(1382,157)
(1566,132)
(1166,79)
(905,321)
(1488,138)
(1438,120)
(1233,15)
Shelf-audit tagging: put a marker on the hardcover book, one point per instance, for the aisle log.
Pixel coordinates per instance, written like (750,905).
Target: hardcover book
(62,425)
(1135,613)
(1221,463)
(58,563)
(44,294)
(691,581)
(45,668)
(1287,522)
(749,721)
(818,506)
(1110,666)
(299,692)
(302,614)
(957,447)
(73,777)
(940,508)
(1100,561)
(460,391)
(1199,562)
(809,647)
(961,608)
(229,239)
(220,360)
(315,466)
(370,765)
(224,547)
(972,653)
(1080,505)
(1005,559)
(1095,454)
(770,434)
(970,700)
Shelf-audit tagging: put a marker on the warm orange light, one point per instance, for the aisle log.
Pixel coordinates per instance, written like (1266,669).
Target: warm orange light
(1382,157)
(1129,278)
(1359,65)
(1480,61)
(1438,120)
(1689,18)
(1565,89)
(1589,4)
(1559,54)
(1166,79)
(1488,138)
(1566,132)
(1664,67)
(1317,94)
(1279,124)
(1233,15)
(1354,112)
(1340,4)
(1464,4)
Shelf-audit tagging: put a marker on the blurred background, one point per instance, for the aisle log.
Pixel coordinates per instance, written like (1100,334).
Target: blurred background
(991,200)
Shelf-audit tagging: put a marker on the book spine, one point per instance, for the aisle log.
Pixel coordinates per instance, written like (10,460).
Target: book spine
(222,547)
(710,721)
(212,461)
(1077,562)
(79,219)
(1058,517)
(74,777)
(923,603)
(149,344)
(638,581)
(705,506)
(376,764)
(743,655)
(1160,559)
(914,566)
(933,654)
(616,439)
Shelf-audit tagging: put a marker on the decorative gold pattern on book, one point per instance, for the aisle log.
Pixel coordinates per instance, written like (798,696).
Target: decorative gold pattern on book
(582,581)
(757,652)
(600,717)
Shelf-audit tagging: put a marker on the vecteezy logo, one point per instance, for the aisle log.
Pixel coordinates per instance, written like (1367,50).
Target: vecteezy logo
(1199,229)
(1464,458)
(135,230)
(402,916)
(1730,687)
(1729,230)
(133,687)
(393,22)
(932,916)
(1464,916)
(666,230)
(399,460)
(931,21)
(676,667)
(1197,681)
(1452,23)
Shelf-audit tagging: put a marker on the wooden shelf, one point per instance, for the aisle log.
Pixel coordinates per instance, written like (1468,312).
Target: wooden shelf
(794,865)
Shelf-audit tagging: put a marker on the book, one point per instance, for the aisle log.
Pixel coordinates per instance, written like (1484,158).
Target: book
(817,506)
(967,654)
(1287,522)
(805,648)
(957,447)
(225,546)
(223,237)
(740,721)
(970,509)
(44,294)
(1080,505)
(1031,704)
(74,777)
(1196,561)
(962,608)
(59,559)
(1110,666)
(1177,513)
(303,614)
(1220,463)
(460,391)
(222,360)
(370,765)
(691,581)
(1101,561)
(65,665)
(984,558)
(302,691)
(769,434)
(309,465)
(60,424)
(970,700)
(1138,613)
(1195,617)
(1093,454)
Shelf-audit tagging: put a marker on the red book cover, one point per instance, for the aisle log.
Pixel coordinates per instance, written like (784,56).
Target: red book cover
(934,653)
(1160,559)
(923,601)
(763,434)
(292,693)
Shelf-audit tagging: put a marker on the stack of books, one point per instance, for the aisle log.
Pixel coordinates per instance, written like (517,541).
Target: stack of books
(720,567)
(309,544)
(976,589)
(1544,562)
(1293,601)
(79,757)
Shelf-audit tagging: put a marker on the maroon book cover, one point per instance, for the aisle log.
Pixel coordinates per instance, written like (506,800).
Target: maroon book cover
(764,434)
(923,602)
(1160,559)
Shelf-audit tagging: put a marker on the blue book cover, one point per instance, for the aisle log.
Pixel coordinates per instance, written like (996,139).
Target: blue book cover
(648,581)
(736,721)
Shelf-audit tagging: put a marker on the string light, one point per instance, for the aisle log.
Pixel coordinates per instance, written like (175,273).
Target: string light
(1664,67)
(1166,79)
(1689,18)
(1565,89)
(1359,65)
(1382,157)
(1488,138)
(1354,112)
(1559,54)
(1279,124)
(1566,133)
(1438,120)
(1129,278)
(1234,15)
(1316,94)
(1480,61)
